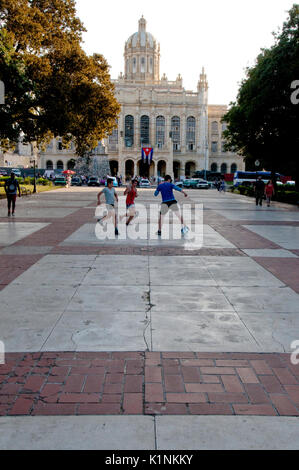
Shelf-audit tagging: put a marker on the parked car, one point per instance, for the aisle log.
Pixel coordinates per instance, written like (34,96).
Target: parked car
(17,172)
(291,183)
(179,184)
(191,183)
(203,184)
(76,181)
(60,181)
(93,181)
(144,183)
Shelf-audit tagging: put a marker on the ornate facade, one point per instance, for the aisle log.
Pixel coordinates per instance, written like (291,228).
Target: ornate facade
(183,129)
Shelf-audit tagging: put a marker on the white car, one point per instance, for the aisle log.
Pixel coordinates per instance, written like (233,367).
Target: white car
(203,184)
(144,183)
(17,172)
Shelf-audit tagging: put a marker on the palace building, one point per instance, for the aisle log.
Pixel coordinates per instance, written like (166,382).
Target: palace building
(184,130)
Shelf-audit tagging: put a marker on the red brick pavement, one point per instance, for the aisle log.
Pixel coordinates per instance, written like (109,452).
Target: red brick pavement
(151,383)
(285,269)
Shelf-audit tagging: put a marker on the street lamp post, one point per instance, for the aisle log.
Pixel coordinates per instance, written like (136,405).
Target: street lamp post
(206,159)
(257,164)
(34,175)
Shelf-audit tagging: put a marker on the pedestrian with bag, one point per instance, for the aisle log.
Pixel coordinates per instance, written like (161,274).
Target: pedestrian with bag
(11,188)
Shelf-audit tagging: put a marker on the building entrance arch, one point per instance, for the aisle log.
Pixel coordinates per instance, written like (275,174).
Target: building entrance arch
(161,170)
(145,170)
(176,169)
(190,169)
(113,167)
(129,169)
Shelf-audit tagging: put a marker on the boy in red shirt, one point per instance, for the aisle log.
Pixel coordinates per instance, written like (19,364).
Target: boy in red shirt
(269,192)
(131,193)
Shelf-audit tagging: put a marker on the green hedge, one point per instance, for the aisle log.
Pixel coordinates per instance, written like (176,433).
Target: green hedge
(27,181)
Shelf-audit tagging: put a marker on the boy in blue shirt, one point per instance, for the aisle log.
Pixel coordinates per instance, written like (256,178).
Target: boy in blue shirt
(110,194)
(169,202)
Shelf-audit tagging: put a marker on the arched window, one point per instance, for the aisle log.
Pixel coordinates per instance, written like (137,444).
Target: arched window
(60,165)
(214,147)
(134,64)
(214,167)
(190,137)
(160,131)
(49,165)
(176,132)
(113,138)
(233,168)
(142,65)
(71,164)
(224,168)
(151,65)
(215,127)
(144,130)
(129,131)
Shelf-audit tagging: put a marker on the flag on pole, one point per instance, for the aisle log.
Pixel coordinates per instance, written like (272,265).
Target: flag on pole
(147,154)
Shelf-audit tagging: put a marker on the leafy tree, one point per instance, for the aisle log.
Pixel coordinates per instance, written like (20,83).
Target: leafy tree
(52,87)
(263,122)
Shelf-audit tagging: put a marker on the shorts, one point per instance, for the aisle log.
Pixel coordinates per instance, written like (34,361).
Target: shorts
(165,206)
(110,208)
(11,197)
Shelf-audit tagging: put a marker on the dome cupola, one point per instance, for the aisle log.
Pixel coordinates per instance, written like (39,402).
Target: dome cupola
(142,55)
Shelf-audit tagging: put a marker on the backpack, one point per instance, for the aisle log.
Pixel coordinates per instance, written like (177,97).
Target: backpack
(11,186)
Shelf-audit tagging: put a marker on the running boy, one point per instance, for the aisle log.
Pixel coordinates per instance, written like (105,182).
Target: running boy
(110,194)
(169,202)
(131,193)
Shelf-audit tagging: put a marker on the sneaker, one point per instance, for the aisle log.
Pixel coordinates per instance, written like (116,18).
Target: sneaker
(116,232)
(13,214)
(8,215)
(159,233)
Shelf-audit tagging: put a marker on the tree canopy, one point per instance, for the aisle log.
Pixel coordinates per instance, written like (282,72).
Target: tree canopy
(52,87)
(263,123)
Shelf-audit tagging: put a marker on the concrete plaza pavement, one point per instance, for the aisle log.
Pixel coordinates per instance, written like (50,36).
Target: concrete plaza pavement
(120,334)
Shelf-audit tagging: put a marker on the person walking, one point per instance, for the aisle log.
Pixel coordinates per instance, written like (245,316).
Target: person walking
(259,191)
(269,192)
(110,197)
(169,202)
(11,188)
(131,193)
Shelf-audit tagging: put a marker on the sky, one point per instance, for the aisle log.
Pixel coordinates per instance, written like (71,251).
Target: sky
(224,36)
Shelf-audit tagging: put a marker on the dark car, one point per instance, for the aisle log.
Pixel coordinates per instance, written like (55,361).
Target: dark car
(93,181)
(76,181)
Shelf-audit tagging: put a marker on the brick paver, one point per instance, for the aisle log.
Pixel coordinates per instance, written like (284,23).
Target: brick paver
(81,383)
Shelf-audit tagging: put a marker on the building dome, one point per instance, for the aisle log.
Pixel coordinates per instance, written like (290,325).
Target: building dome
(142,38)
(142,56)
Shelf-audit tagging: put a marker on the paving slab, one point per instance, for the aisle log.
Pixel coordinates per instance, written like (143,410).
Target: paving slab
(189,330)
(260,299)
(100,331)
(270,253)
(261,215)
(227,433)
(15,231)
(77,433)
(285,236)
